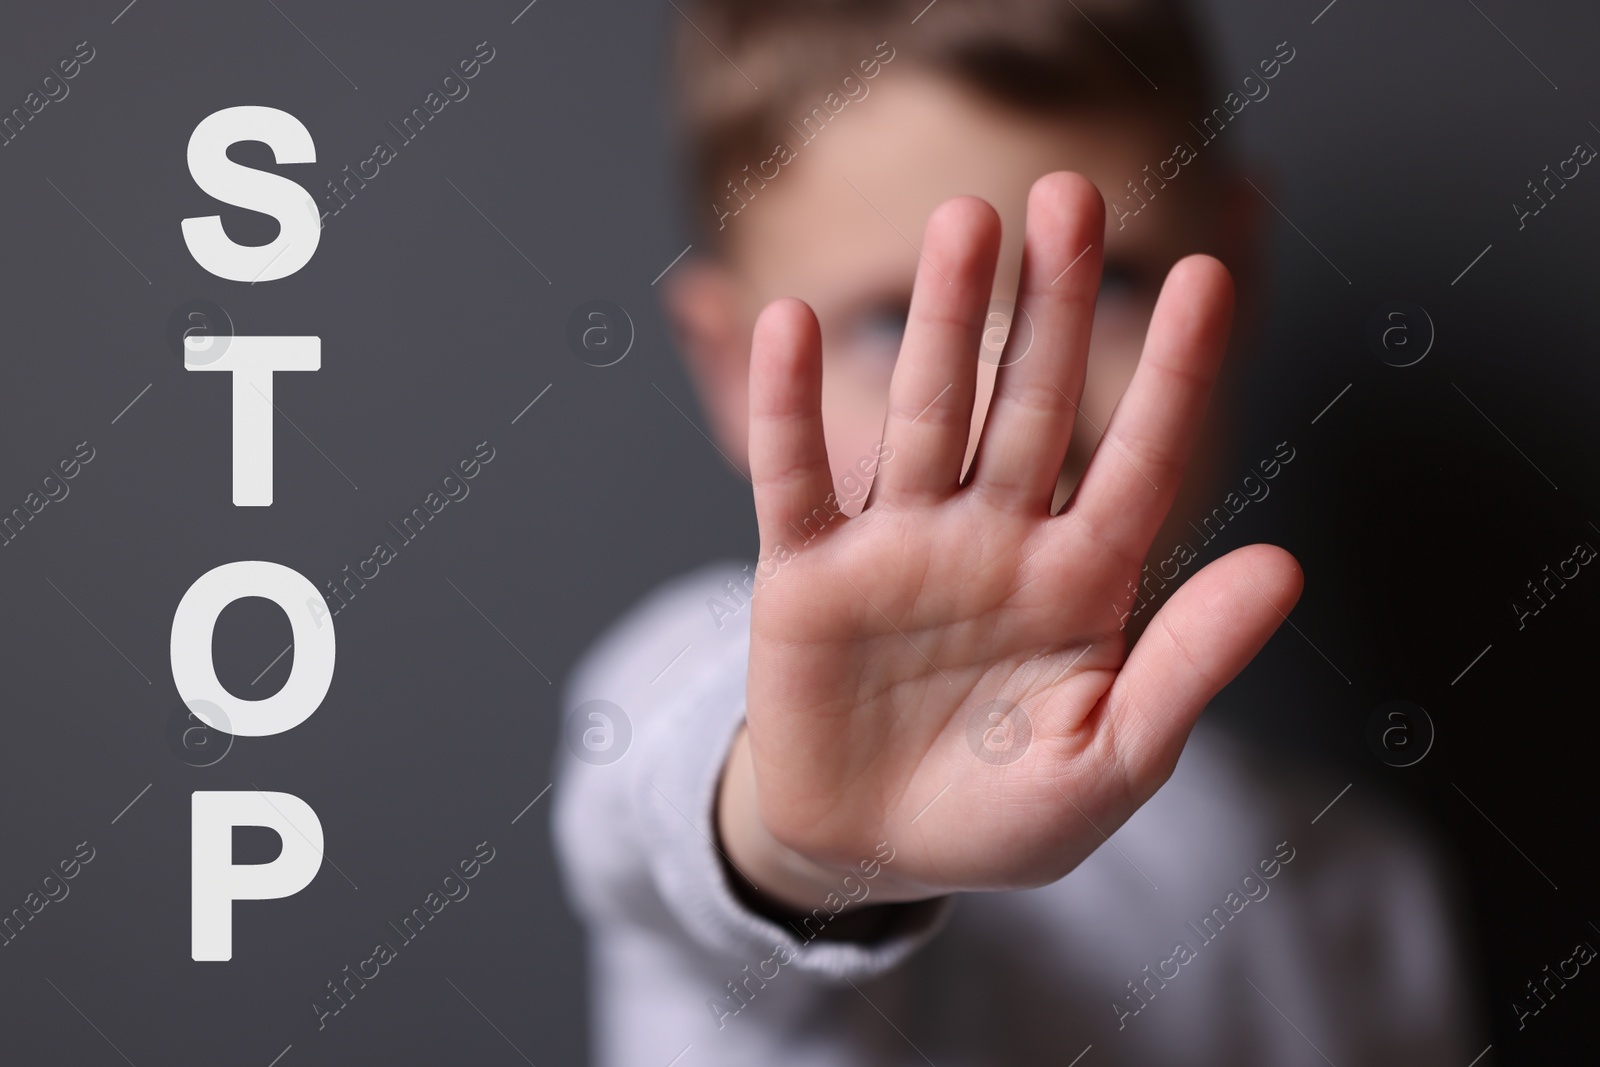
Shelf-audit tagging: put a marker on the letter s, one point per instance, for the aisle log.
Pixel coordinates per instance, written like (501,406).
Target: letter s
(300,223)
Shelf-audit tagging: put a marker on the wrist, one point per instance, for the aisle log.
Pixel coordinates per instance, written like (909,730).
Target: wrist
(785,879)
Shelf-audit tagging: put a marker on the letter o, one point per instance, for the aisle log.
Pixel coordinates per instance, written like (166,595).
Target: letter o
(195,620)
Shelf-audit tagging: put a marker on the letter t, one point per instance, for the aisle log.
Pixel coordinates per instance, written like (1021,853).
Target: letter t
(252,360)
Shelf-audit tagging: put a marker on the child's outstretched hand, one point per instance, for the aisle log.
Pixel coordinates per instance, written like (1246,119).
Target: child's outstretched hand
(889,656)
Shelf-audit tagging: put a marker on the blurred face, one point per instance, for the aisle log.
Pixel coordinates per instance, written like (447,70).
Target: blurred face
(837,228)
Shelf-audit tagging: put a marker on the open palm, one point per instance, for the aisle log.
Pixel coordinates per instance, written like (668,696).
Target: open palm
(947,671)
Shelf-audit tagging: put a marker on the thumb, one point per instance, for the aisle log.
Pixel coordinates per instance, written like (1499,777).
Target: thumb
(1197,643)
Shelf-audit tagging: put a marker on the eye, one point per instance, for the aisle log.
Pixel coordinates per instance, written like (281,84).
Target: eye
(875,334)
(1121,280)
(886,324)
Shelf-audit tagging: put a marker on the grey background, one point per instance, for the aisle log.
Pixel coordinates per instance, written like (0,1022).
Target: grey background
(1396,143)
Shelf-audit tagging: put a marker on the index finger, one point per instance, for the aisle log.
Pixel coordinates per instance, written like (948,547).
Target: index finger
(1133,476)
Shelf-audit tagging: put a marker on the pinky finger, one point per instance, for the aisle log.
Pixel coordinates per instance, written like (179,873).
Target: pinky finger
(788,457)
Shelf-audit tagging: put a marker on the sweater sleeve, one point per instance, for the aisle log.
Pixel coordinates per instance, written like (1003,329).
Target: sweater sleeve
(635,830)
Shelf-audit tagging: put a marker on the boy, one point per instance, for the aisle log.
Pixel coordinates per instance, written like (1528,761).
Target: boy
(963,680)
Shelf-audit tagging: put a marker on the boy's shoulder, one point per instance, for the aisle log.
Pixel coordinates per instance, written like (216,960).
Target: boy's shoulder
(677,631)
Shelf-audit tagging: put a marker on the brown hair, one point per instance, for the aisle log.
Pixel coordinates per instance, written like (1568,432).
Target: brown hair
(1035,55)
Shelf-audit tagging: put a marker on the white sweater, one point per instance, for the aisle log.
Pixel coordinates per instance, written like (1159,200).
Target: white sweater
(1219,926)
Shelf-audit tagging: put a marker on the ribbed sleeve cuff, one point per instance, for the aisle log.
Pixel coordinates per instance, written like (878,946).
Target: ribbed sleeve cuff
(675,795)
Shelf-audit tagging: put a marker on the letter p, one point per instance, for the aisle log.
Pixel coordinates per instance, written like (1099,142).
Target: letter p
(216,881)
